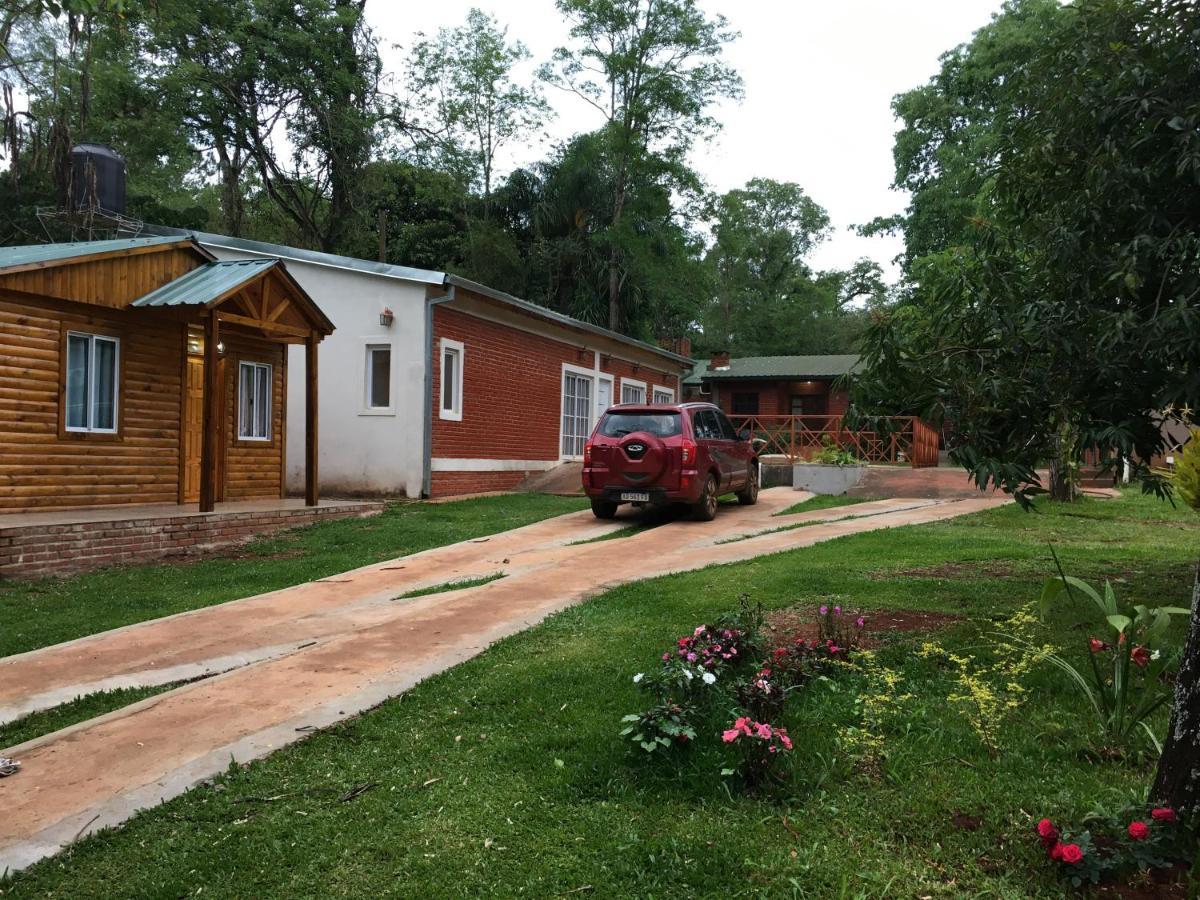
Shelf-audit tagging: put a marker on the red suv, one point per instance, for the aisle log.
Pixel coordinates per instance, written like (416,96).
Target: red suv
(662,454)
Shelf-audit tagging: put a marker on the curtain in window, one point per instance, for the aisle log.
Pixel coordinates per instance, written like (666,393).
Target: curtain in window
(78,388)
(104,414)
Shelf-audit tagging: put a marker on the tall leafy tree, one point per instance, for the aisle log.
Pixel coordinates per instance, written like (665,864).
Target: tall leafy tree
(652,69)
(464,79)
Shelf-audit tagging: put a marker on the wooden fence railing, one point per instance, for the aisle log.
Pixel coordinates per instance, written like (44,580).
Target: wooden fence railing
(891,439)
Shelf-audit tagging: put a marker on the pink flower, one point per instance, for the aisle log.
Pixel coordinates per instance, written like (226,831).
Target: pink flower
(824,610)
(837,610)
(1163,814)
(743,724)
(834,648)
(1141,656)
(1096,645)
(733,651)
(666,656)
(762,730)
(699,630)
(784,739)
(691,657)
(730,736)
(860,621)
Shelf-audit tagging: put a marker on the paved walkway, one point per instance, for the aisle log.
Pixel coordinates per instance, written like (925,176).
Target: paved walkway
(310,655)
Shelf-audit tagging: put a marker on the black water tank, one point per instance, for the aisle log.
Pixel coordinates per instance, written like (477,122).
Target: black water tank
(97,178)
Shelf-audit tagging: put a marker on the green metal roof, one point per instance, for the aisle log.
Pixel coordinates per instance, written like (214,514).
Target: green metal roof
(795,368)
(31,254)
(204,285)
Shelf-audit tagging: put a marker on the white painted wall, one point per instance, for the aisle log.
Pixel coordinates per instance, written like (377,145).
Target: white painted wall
(361,451)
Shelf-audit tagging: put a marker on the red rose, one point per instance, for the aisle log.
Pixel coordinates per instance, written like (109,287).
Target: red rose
(1163,814)
(1047,832)
(1141,656)
(1139,831)
(1071,854)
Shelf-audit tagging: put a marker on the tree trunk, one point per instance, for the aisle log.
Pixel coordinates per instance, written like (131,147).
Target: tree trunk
(1064,467)
(1177,783)
(614,255)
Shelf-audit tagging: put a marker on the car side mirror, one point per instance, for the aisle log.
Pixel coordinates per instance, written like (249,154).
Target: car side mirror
(744,434)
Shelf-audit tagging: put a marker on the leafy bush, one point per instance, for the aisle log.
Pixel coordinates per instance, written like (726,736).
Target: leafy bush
(761,743)
(660,728)
(1134,838)
(831,454)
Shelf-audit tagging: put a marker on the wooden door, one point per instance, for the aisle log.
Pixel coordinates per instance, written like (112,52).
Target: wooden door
(193,427)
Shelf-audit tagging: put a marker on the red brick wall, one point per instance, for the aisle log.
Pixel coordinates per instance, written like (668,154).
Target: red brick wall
(512,397)
(36,550)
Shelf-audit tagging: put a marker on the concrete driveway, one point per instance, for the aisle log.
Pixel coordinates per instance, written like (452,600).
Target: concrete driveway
(307,656)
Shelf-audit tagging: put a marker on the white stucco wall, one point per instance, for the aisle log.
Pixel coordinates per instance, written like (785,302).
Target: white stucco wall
(360,451)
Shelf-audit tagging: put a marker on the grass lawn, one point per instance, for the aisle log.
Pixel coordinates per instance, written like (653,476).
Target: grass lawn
(48,611)
(504,776)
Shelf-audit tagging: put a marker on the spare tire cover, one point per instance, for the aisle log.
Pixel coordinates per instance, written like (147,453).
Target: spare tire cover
(643,456)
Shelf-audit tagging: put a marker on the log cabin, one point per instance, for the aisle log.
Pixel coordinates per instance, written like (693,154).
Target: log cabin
(145,370)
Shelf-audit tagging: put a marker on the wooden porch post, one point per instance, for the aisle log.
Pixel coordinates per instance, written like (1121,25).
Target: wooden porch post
(213,403)
(311,490)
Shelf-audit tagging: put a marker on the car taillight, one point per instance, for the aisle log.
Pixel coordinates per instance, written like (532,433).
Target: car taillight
(587,452)
(689,451)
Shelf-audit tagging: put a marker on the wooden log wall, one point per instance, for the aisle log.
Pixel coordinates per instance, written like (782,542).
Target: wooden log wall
(254,468)
(39,468)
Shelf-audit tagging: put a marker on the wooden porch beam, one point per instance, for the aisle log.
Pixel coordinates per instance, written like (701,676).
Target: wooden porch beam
(213,395)
(311,491)
(274,327)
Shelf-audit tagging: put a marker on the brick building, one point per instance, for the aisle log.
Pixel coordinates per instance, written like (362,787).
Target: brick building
(435,385)
(772,385)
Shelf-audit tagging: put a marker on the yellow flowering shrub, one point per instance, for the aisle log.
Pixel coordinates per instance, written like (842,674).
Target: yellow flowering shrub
(879,700)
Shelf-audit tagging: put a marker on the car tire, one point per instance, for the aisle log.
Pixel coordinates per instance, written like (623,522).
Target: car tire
(748,495)
(705,509)
(604,509)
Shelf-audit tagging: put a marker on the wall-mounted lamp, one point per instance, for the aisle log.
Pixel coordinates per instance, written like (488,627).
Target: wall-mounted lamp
(637,368)
(386,317)
(220,347)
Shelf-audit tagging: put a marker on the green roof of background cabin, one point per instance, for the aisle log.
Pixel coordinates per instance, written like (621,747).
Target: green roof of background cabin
(795,368)
(30,254)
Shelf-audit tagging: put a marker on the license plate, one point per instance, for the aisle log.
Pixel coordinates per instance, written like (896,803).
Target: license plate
(635,496)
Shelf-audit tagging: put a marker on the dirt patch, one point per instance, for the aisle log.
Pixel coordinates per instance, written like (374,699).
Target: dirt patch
(1159,884)
(980,568)
(785,625)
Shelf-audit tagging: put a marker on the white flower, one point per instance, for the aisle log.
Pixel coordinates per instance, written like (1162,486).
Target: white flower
(638,677)
(688,674)
(1156,654)
(709,678)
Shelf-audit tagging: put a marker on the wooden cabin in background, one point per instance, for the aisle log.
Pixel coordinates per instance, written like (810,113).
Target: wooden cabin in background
(144,370)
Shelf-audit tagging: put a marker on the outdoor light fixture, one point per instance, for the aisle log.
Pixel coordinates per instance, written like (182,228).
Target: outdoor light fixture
(220,346)
(386,317)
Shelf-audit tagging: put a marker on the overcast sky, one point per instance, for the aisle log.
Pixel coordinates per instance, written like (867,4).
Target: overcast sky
(819,79)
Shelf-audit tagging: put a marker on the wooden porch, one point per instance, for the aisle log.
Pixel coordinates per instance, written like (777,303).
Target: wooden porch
(890,439)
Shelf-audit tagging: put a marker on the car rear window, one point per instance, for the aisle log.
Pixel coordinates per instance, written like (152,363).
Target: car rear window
(661,424)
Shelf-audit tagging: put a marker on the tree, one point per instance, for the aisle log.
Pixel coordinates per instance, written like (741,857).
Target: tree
(465,78)
(652,69)
(762,233)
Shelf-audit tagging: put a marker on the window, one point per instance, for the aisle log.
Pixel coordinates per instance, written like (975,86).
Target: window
(745,403)
(452,380)
(379,376)
(576,413)
(660,424)
(705,426)
(663,395)
(254,401)
(92,373)
(728,432)
(633,391)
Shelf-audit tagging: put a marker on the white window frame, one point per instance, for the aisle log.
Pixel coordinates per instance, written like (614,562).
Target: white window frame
(241,397)
(636,385)
(454,413)
(660,389)
(591,375)
(370,347)
(92,382)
